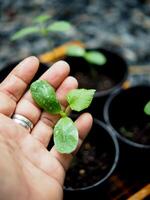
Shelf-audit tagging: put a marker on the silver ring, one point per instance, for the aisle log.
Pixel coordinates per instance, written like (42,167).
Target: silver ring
(23,121)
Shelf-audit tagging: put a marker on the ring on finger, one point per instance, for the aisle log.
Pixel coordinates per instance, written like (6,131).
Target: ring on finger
(23,121)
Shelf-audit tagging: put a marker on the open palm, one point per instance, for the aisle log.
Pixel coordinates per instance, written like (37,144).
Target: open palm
(28,171)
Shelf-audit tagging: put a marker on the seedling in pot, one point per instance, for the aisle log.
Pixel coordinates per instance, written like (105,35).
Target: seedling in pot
(65,131)
(44,26)
(147,108)
(138,133)
(93,57)
(94,72)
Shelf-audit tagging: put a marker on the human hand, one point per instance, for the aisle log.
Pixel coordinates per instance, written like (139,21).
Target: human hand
(28,171)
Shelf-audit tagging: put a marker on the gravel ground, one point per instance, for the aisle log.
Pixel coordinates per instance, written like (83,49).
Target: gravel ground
(119,25)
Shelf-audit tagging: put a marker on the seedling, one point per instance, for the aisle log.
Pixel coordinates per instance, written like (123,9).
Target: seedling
(44,26)
(147,108)
(65,131)
(93,57)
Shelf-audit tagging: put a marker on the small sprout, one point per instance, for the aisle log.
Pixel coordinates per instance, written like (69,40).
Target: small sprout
(93,57)
(65,131)
(126,133)
(147,108)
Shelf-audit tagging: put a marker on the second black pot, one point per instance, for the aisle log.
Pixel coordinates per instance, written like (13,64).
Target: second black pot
(124,114)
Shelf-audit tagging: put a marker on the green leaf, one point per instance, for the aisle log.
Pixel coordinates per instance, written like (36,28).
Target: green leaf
(59,26)
(24,32)
(44,95)
(79,99)
(41,18)
(95,57)
(75,50)
(65,135)
(147,108)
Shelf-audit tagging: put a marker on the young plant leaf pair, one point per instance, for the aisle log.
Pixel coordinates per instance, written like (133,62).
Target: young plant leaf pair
(65,131)
(93,57)
(39,26)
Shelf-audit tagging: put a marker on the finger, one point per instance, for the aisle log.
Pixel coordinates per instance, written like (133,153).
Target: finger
(43,129)
(55,76)
(83,124)
(15,84)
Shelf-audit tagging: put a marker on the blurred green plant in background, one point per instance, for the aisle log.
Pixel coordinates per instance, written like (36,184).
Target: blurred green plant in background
(93,56)
(45,26)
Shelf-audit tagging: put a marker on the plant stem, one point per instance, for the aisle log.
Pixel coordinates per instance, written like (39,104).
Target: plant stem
(63,114)
(45,33)
(68,110)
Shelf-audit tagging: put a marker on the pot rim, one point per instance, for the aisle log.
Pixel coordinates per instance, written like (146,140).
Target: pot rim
(114,165)
(107,119)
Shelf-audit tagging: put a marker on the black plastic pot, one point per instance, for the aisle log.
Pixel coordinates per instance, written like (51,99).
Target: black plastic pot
(123,111)
(115,68)
(8,67)
(101,139)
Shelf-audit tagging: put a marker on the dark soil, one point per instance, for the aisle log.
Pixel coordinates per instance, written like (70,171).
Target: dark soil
(100,82)
(88,167)
(137,133)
